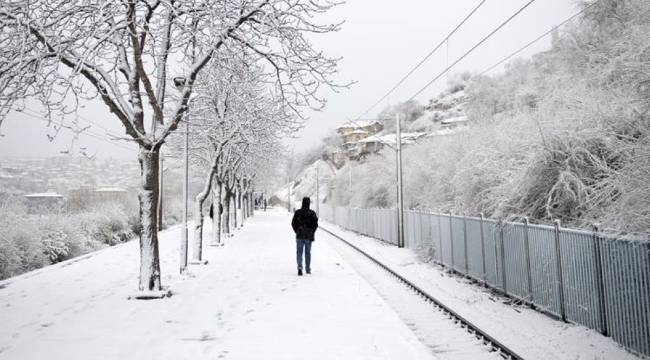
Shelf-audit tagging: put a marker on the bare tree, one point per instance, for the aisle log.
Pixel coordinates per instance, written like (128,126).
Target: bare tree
(122,52)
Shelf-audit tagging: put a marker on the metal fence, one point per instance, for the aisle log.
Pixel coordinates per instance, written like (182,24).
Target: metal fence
(579,276)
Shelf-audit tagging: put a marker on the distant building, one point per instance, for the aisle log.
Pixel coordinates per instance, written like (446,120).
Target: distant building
(85,197)
(370,127)
(47,202)
(454,122)
(112,194)
(353,133)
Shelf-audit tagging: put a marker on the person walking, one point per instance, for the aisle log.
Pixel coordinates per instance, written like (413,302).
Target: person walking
(304,224)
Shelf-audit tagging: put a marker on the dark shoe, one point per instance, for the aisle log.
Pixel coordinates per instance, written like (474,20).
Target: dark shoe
(299,272)
(308,271)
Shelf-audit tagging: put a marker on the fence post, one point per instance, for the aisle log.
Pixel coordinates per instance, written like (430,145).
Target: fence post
(483,249)
(503,257)
(442,257)
(451,241)
(496,252)
(465,245)
(528,271)
(599,280)
(558,264)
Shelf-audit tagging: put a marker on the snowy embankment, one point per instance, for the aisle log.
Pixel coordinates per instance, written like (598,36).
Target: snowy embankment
(527,332)
(246,303)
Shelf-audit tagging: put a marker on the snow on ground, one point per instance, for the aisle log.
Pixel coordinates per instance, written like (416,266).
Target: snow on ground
(446,339)
(531,334)
(247,303)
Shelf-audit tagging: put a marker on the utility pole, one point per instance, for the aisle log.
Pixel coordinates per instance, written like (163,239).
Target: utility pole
(289,198)
(317,190)
(400,194)
(350,177)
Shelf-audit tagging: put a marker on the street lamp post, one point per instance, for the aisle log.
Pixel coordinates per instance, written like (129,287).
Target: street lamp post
(160,193)
(180,82)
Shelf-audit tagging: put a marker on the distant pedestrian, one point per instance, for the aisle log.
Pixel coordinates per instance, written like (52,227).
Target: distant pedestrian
(304,224)
(264,204)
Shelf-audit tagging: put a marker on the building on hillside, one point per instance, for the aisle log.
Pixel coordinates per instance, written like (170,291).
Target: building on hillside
(369,145)
(454,122)
(370,127)
(41,203)
(352,133)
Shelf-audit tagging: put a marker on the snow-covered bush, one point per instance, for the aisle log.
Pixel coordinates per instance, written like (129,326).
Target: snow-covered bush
(29,242)
(106,224)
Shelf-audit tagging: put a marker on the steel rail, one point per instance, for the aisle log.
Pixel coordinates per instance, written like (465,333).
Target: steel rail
(494,344)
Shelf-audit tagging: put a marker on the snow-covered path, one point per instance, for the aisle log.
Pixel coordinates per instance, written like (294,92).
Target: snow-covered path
(247,303)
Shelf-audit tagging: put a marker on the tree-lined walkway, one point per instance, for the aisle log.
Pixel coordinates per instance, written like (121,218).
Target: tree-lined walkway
(247,303)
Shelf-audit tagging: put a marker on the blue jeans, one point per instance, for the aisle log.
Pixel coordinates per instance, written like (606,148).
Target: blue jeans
(306,245)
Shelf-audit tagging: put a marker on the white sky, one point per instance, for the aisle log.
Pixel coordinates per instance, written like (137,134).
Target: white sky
(380,42)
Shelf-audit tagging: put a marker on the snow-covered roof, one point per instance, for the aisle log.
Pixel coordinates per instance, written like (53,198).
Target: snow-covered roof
(45,194)
(110,189)
(358,131)
(407,138)
(455,119)
(358,124)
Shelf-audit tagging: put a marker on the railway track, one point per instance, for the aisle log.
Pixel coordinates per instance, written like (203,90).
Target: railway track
(493,345)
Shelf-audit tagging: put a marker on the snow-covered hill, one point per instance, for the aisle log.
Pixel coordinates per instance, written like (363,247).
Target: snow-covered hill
(448,105)
(305,184)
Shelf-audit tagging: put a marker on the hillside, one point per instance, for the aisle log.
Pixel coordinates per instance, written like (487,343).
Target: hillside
(562,135)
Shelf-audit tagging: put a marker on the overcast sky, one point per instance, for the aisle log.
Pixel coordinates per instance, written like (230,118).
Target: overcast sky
(380,41)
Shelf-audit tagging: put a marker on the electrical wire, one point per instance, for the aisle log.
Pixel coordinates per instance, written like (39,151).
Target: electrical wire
(86,132)
(538,39)
(488,36)
(423,60)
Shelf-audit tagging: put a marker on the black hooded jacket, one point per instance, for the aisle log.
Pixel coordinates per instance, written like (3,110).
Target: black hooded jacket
(305,221)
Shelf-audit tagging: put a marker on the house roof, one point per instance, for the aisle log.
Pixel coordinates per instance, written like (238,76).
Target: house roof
(111,189)
(455,120)
(45,194)
(407,138)
(358,131)
(358,124)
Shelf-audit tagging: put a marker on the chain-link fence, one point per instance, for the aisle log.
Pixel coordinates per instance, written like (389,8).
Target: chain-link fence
(580,276)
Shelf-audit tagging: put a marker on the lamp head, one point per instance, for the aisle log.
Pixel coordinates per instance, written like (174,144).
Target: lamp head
(179,82)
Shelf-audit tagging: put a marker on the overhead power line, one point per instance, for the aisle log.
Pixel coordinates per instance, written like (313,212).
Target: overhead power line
(488,36)
(417,66)
(108,131)
(538,38)
(85,132)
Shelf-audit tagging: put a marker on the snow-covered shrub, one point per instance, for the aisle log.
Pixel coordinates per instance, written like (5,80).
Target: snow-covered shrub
(56,246)
(106,224)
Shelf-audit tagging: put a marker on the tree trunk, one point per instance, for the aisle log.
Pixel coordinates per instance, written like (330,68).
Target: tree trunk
(216,219)
(251,203)
(197,253)
(226,213)
(235,206)
(148,198)
(244,215)
(240,207)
